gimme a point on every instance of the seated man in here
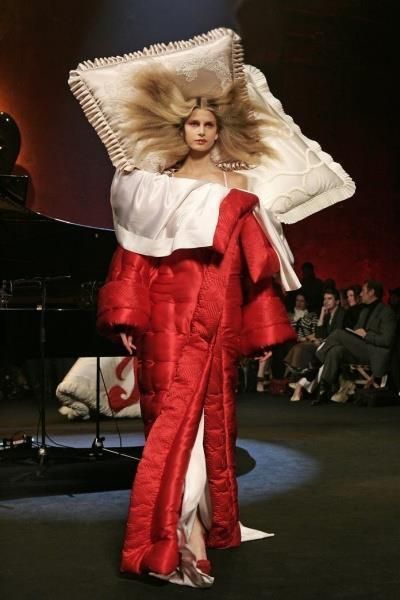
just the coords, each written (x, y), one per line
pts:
(369, 343)
(331, 316)
(302, 355)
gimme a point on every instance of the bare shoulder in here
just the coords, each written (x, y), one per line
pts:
(237, 180)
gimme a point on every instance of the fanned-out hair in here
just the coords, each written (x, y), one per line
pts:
(155, 113)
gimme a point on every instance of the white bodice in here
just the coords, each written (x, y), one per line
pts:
(155, 214)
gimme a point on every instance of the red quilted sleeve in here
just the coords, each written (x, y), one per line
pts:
(264, 317)
(123, 303)
(261, 258)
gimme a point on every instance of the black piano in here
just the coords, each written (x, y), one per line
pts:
(50, 273)
(71, 261)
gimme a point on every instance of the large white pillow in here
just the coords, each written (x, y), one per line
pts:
(301, 181)
(206, 64)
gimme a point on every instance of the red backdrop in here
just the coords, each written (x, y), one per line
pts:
(331, 67)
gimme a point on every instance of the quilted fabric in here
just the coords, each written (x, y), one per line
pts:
(304, 179)
(188, 352)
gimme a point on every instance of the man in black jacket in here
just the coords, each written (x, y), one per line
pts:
(369, 343)
(331, 316)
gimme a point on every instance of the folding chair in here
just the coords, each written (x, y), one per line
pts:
(365, 378)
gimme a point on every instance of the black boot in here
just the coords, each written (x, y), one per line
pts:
(311, 371)
(323, 395)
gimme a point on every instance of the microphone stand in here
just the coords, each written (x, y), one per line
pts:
(43, 451)
(98, 442)
(43, 448)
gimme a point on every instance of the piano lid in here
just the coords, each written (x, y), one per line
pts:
(13, 195)
(49, 194)
(37, 244)
(33, 244)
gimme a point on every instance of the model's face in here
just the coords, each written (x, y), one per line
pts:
(351, 298)
(200, 130)
(300, 302)
(330, 302)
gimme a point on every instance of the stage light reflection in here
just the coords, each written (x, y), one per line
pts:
(277, 470)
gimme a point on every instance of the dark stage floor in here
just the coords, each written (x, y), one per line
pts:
(324, 479)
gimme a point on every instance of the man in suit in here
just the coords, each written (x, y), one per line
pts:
(370, 342)
(331, 316)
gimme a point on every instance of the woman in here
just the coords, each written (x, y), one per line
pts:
(190, 289)
(303, 321)
(301, 354)
(291, 356)
(354, 306)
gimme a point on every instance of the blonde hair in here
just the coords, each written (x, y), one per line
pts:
(155, 113)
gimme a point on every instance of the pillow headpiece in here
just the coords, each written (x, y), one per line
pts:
(296, 179)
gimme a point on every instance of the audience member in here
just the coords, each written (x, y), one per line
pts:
(303, 355)
(368, 344)
(304, 323)
(331, 316)
(302, 320)
(354, 306)
(357, 328)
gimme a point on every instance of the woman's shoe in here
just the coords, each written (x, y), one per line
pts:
(342, 395)
(297, 394)
(204, 566)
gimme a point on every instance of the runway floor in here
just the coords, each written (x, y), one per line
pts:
(324, 479)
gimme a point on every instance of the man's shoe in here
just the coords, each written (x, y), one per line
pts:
(316, 401)
(321, 398)
(311, 372)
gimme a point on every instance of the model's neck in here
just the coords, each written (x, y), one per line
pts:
(197, 163)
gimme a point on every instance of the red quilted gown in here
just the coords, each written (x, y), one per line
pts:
(192, 314)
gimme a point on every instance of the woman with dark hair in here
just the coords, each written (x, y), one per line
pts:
(303, 321)
(354, 306)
